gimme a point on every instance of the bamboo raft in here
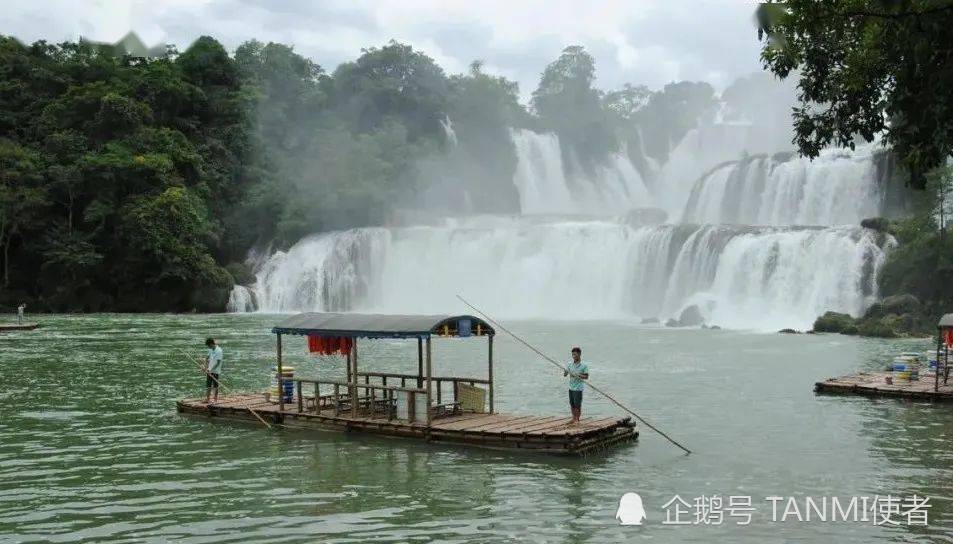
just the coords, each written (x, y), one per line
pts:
(425, 406)
(5, 327)
(540, 434)
(930, 386)
(873, 384)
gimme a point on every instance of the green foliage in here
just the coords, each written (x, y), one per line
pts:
(106, 185)
(393, 82)
(670, 113)
(835, 322)
(568, 104)
(922, 263)
(127, 181)
(867, 67)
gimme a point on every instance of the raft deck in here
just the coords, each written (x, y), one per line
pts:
(873, 384)
(18, 326)
(543, 434)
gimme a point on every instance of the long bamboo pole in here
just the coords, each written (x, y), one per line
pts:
(561, 367)
(222, 387)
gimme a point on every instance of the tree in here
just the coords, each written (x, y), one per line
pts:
(568, 104)
(22, 200)
(669, 114)
(393, 81)
(867, 68)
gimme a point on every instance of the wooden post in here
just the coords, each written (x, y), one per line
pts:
(281, 391)
(354, 385)
(429, 371)
(420, 362)
(490, 368)
(300, 400)
(939, 342)
(348, 367)
(337, 399)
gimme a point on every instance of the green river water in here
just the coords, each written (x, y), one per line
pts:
(92, 449)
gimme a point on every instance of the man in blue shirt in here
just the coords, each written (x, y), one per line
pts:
(213, 368)
(577, 372)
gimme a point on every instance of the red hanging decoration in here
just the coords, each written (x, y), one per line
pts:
(328, 345)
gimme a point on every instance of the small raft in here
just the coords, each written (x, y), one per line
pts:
(423, 406)
(18, 326)
(874, 384)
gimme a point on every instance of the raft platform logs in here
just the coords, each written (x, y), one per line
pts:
(874, 384)
(4, 327)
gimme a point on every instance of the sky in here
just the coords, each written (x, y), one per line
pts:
(648, 42)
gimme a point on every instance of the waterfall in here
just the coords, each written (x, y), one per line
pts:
(546, 185)
(746, 277)
(838, 187)
(448, 131)
(760, 241)
(241, 299)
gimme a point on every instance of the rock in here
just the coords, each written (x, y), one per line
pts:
(783, 156)
(650, 321)
(671, 323)
(895, 304)
(691, 317)
(641, 217)
(835, 322)
(901, 304)
(879, 224)
(789, 331)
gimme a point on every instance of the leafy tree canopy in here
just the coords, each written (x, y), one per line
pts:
(867, 68)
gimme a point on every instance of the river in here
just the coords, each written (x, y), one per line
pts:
(92, 449)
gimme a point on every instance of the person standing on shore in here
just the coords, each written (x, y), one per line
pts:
(577, 372)
(20, 309)
(213, 369)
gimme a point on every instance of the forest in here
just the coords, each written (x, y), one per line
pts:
(141, 183)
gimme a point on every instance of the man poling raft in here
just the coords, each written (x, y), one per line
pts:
(215, 378)
(583, 376)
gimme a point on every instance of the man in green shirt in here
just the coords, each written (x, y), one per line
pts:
(577, 372)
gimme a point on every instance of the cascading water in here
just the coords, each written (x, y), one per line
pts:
(545, 185)
(838, 187)
(738, 276)
(545, 263)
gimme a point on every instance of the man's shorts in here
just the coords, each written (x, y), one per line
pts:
(575, 398)
(211, 380)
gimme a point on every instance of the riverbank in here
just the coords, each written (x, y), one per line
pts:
(899, 316)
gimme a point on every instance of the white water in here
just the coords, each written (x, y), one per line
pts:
(838, 187)
(740, 277)
(546, 185)
(241, 299)
(545, 263)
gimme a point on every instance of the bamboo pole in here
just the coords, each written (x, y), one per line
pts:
(420, 362)
(429, 374)
(354, 397)
(561, 367)
(281, 387)
(222, 387)
(489, 369)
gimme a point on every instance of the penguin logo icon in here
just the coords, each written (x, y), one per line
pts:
(631, 511)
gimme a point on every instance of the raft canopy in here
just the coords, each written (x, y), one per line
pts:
(946, 322)
(383, 326)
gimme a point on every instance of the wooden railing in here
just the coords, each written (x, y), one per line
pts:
(377, 400)
(438, 381)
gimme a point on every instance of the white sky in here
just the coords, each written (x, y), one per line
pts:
(650, 42)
